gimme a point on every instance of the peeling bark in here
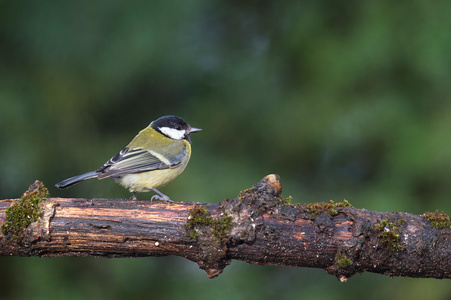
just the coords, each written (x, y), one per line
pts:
(258, 227)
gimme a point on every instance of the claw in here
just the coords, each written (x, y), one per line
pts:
(133, 198)
(166, 198)
(160, 196)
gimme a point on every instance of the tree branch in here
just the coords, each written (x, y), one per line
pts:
(259, 227)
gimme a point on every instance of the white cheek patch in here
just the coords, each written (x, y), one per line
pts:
(173, 133)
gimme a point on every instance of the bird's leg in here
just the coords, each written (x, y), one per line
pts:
(133, 197)
(160, 196)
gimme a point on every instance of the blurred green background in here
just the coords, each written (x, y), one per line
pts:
(342, 99)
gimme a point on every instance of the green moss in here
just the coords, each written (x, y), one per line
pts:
(342, 260)
(20, 214)
(388, 233)
(344, 203)
(246, 194)
(437, 220)
(221, 227)
(200, 217)
(320, 207)
(286, 201)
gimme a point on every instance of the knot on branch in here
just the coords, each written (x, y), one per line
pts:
(248, 207)
(234, 222)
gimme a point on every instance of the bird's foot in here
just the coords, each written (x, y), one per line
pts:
(160, 196)
(157, 197)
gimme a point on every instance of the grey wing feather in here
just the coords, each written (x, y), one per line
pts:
(136, 160)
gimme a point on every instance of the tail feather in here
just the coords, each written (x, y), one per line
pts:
(76, 179)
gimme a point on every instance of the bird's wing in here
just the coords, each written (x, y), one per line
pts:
(138, 160)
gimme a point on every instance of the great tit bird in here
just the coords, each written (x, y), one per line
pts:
(154, 158)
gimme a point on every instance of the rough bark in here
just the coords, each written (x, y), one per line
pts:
(259, 227)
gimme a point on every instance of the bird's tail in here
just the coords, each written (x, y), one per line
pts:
(76, 179)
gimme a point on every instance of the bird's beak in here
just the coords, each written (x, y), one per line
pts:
(194, 129)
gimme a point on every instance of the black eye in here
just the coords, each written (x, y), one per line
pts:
(178, 127)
